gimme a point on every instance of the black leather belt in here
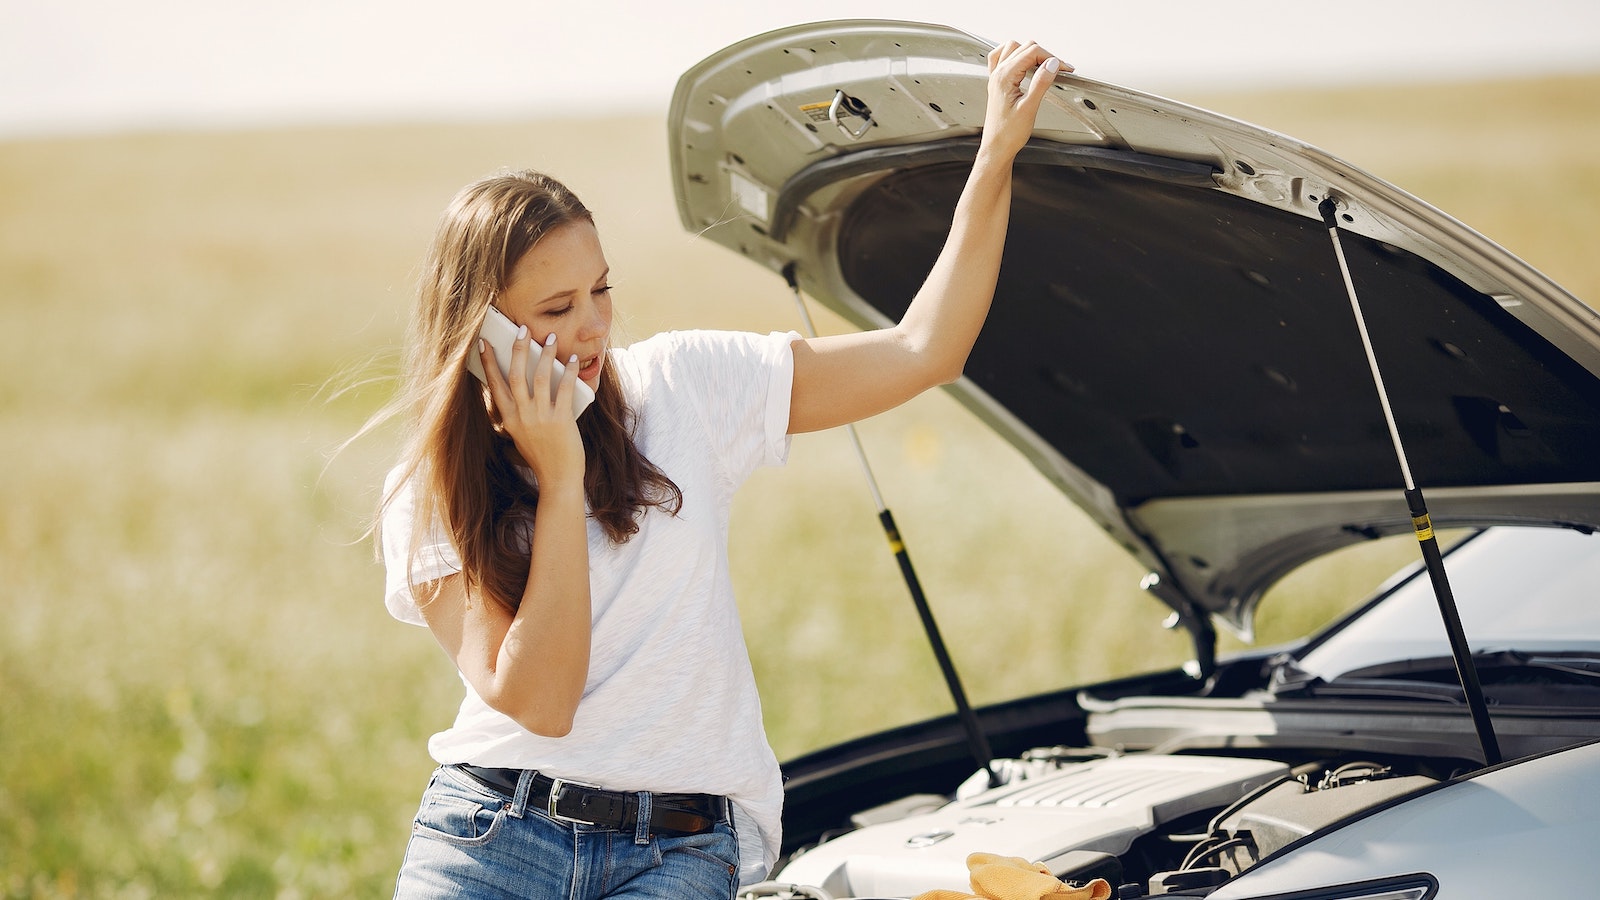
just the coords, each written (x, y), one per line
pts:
(567, 801)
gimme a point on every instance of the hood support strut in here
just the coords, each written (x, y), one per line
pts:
(1420, 522)
(977, 742)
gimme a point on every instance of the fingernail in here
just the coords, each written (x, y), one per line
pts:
(1052, 65)
(572, 360)
(481, 345)
(551, 340)
(522, 332)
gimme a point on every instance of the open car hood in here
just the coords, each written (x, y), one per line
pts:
(1171, 341)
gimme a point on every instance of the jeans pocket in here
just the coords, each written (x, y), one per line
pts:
(459, 819)
(719, 846)
(694, 867)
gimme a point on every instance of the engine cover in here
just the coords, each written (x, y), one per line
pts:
(1101, 805)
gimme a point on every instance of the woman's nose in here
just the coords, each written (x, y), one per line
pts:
(595, 323)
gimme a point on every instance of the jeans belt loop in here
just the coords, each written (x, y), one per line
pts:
(519, 803)
(641, 829)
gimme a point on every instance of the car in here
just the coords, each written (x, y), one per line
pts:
(1237, 354)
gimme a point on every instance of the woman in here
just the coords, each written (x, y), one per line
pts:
(610, 742)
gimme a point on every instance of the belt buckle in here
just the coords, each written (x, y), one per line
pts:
(558, 786)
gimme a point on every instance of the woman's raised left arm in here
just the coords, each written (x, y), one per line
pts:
(844, 378)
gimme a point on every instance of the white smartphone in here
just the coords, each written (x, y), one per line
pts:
(501, 332)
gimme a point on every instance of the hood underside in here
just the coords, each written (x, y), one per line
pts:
(1171, 340)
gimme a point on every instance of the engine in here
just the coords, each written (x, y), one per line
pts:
(1153, 822)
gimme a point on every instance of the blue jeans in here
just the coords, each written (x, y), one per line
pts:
(471, 841)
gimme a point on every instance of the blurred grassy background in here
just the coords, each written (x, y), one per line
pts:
(200, 692)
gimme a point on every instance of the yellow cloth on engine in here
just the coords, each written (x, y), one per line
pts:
(1014, 878)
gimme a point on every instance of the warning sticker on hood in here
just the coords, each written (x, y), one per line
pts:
(816, 112)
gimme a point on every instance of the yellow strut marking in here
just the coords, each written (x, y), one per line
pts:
(1423, 526)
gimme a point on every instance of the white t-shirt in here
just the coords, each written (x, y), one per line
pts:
(670, 704)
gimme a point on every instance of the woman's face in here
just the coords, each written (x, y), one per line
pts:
(559, 287)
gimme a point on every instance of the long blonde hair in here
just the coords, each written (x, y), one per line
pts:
(463, 465)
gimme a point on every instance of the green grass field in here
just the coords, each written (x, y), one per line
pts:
(200, 691)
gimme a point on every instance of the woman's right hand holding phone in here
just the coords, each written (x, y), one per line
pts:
(544, 430)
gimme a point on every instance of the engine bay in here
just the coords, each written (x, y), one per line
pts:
(1149, 823)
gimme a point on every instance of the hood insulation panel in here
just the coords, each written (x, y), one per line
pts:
(1175, 341)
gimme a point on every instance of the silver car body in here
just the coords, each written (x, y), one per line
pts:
(1172, 345)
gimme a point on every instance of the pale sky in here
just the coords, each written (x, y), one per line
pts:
(98, 65)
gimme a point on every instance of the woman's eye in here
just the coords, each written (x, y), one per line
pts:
(560, 312)
(603, 289)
